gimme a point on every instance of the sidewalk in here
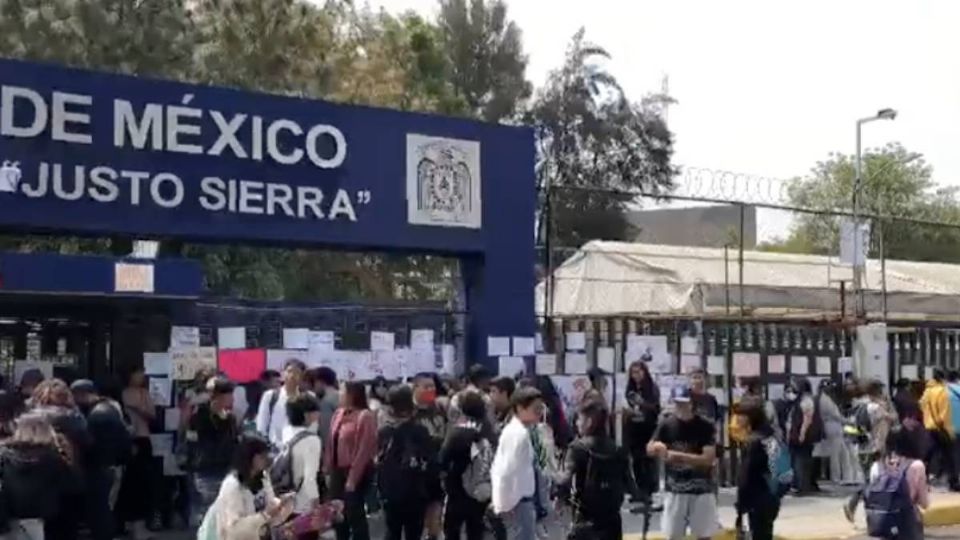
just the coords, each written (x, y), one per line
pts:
(813, 518)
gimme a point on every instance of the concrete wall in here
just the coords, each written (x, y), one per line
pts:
(706, 226)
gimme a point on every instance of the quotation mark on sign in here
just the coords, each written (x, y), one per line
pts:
(363, 197)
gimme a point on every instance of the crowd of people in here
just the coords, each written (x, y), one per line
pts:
(444, 457)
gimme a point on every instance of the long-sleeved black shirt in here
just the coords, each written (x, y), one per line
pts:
(575, 474)
(212, 440)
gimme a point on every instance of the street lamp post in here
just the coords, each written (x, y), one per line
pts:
(882, 114)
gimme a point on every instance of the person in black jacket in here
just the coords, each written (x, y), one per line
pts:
(36, 478)
(641, 414)
(463, 510)
(753, 490)
(111, 447)
(212, 438)
(407, 459)
(596, 476)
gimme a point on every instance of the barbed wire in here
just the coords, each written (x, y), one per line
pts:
(702, 182)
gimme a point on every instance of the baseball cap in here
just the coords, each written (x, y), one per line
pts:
(83, 386)
(680, 394)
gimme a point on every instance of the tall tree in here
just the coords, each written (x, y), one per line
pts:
(896, 182)
(593, 143)
(486, 57)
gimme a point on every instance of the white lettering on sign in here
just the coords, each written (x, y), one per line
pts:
(136, 278)
(177, 127)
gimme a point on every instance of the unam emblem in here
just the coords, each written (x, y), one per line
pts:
(444, 182)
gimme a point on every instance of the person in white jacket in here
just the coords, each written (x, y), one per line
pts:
(272, 413)
(513, 477)
(303, 415)
(234, 515)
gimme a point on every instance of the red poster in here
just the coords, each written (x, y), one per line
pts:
(242, 365)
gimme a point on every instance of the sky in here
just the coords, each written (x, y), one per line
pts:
(769, 88)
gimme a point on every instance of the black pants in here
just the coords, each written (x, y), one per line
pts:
(801, 457)
(761, 521)
(605, 526)
(354, 525)
(135, 500)
(98, 516)
(463, 513)
(942, 444)
(645, 470)
(405, 520)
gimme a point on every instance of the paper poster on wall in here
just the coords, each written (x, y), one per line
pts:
(690, 345)
(382, 341)
(928, 372)
(824, 365)
(815, 382)
(157, 363)
(606, 359)
(421, 339)
(321, 340)
(20, 367)
(576, 341)
(160, 391)
(498, 346)
(572, 388)
(648, 346)
(546, 364)
(171, 419)
(296, 338)
(690, 363)
(242, 365)
(910, 371)
(845, 364)
(161, 444)
(510, 366)
(746, 364)
(386, 364)
(620, 390)
(448, 358)
(871, 353)
(575, 363)
(232, 337)
(185, 364)
(799, 365)
(716, 365)
(184, 337)
(524, 346)
(539, 341)
(774, 391)
(667, 383)
(422, 361)
(776, 363)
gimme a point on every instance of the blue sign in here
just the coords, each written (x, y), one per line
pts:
(93, 153)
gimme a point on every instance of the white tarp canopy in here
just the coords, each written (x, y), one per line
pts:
(614, 278)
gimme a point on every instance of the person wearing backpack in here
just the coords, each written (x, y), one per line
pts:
(897, 490)
(595, 476)
(804, 430)
(465, 461)
(272, 412)
(873, 417)
(407, 463)
(765, 473)
(296, 468)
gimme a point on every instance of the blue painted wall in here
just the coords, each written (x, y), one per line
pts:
(79, 130)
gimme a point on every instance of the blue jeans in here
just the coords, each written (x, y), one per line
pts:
(205, 491)
(521, 522)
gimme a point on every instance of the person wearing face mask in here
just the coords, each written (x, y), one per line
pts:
(212, 437)
(111, 447)
(432, 416)
(301, 439)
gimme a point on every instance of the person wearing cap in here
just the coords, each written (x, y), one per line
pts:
(686, 442)
(111, 447)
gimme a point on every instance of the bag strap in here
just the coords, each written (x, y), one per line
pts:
(274, 398)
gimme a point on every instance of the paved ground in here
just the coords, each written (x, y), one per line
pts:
(819, 518)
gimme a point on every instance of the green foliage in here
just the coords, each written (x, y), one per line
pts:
(895, 183)
(592, 136)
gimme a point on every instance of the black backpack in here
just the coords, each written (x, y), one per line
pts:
(604, 483)
(404, 464)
